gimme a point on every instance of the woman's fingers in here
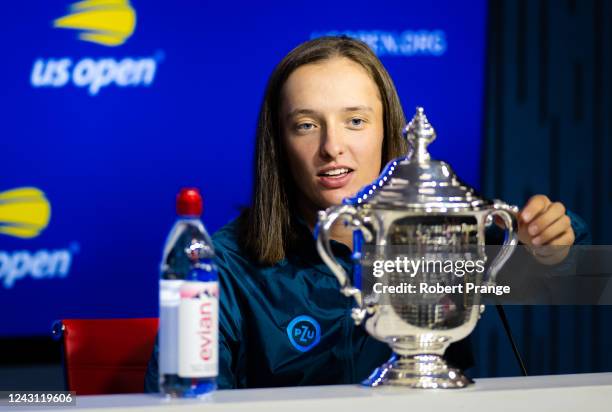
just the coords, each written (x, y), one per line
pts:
(553, 230)
(534, 207)
(542, 227)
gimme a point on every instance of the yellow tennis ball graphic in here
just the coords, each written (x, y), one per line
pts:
(106, 22)
(24, 212)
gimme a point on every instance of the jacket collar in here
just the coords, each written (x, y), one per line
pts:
(306, 248)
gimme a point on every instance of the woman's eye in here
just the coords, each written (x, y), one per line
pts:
(304, 127)
(357, 122)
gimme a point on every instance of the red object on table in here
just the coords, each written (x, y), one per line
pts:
(104, 356)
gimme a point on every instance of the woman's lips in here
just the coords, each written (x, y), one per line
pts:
(335, 182)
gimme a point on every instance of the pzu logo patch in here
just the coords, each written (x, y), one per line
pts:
(304, 333)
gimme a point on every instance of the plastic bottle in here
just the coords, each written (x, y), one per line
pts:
(189, 292)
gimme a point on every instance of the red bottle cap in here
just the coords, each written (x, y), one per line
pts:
(189, 202)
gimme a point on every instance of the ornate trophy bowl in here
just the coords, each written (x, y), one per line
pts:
(417, 209)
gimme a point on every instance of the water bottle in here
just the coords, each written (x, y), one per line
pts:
(189, 296)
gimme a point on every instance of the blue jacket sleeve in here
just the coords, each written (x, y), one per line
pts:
(581, 230)
(231, 349)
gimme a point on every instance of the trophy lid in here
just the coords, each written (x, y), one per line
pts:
(417, 182)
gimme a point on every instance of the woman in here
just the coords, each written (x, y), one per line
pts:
(330, 120)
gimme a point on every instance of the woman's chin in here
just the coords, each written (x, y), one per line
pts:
(336, 198)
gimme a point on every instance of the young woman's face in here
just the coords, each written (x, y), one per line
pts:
(332, 123)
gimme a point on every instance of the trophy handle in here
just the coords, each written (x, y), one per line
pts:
(326, 221)
(509, 215)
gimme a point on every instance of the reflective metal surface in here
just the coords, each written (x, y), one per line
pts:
(418, 209)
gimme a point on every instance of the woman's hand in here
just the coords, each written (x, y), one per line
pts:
(545, 229)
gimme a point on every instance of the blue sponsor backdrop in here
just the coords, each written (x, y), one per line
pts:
(110, 133)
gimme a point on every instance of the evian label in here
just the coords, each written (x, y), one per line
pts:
(198, 330)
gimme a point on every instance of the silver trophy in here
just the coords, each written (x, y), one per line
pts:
(418, 209)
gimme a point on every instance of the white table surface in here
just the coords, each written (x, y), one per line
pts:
(581, 392)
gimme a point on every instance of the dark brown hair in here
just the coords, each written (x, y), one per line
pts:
(267, 225)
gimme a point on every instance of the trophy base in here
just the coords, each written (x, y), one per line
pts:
(418, 371)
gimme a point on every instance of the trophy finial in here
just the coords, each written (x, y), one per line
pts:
(419, 134)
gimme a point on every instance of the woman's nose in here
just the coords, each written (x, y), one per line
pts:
(332, 142)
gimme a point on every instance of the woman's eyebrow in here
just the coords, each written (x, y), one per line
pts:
(295, 112)
(357, 109)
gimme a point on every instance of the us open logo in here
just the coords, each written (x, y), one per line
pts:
(25, 212)
(304, 333)
(108, 23)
